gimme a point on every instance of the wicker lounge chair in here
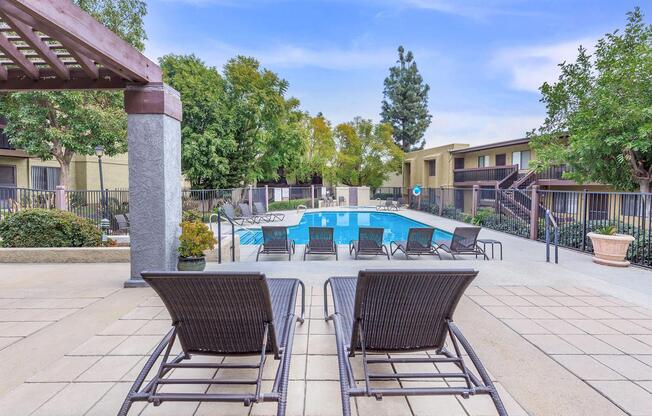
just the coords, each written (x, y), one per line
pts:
(245, 210)
(369, 242)
(276, 241)
(464, 241)
(220, 314)
(260, 210)
(320, 242)
(403, 311)
(229, 211)
(419, 242)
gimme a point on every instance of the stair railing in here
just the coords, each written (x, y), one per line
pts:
(219, 234)
(550, 221)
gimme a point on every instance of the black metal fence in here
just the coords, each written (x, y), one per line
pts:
(15, 199)
(96, 205)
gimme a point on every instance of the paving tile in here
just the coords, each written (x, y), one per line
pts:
(388, 406)
(295, 400)
(645, 323)
(647, 385)
(645, 338)
(626, 326)
(216, 408)
(526, 326)
(474, 290)
(7, 341)
(154, 327)
(628, 395)
(110, 368)
(322, 344)
(539, 300)
(552, 344)
(435, 405)
(98, 345)
(513, 300)
(178, 408)
(626, 365)
(323, 399)
(593, 312)
(20, 329)
(28, 397)
(486, 300)
(64, 370)
(143, 313)
(592, 327)
(74, 400)
(587, 367)
(300, 344)
(297, 368)
(511, 405)
(153, 301)
(503, 312)
(625, 312)
(597, 301)
(112, 401)
(569, 301)
(564, 312)
(496, 290)
(576, 291)
(557, 326)
(35, 315)
(322, 367)
(137, 345)
(521, 290)
(546, 291)
(626, 344)
(533, 312)
(589, 344)
(318, 326)
(647, 359)
(124, 327)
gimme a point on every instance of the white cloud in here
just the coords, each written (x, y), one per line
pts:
(530, 66)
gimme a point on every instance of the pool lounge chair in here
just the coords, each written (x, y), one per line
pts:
(463, 242)
(369, 242)
(220, 314)
(246, 213)
(276, 241)
(419, 243)
(404, 311)
(229, 211)
(320, 241)
(389, 205)
(123, 223)
(260, 210)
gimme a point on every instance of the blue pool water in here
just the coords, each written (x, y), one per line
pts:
(346, 226)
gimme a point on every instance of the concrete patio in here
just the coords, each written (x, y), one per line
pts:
(567, 339)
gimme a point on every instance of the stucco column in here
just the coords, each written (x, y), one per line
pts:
(60, 201)
(534, 212)
(154, 138)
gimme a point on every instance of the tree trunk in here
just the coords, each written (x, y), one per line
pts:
(64, 178)
(644, 188)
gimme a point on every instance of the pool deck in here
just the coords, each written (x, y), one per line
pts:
(573, 338)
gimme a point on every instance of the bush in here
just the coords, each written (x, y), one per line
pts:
(48, 228)
(482, 217)
(287, 205)
(195, 238)
(191, 216)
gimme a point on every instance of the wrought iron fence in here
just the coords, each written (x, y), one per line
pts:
(96, 205)
(14, 199)
(385, 193)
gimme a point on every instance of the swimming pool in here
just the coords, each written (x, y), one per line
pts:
(346, 224)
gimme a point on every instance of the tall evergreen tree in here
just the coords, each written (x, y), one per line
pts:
(405, 102)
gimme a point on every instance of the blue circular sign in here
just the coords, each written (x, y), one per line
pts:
(416, 191)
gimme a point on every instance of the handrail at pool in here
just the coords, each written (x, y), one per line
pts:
(219, 234)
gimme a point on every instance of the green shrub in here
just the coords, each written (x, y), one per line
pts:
(288, 205)
(191, 216)
(48, 228)
(482, 217)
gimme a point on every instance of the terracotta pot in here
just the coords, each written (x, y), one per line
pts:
(610, 250)
(191, 264)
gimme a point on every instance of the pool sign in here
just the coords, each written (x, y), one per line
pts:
(416, 191)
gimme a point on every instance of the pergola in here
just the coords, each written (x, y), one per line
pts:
(54, 45)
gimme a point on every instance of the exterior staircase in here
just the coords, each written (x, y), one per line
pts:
(513, 195)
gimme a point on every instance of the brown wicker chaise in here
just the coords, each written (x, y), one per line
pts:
(464, 241)
(276, 241)
(320, 241)
(369, 242)
(403, 311)
(419, 242)
(220, 314)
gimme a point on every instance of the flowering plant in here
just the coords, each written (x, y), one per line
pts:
(194, 239)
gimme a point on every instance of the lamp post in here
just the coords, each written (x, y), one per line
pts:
(99, 152)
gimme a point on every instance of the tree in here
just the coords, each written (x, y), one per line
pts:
(366, 153)
(599, 112)
(322, 151)
(405, 103)
(58, 125)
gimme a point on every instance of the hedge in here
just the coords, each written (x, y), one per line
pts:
(48, 228)
(288, 205)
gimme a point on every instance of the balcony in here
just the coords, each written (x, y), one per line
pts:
(553, 175)
(482, 176)
(6, 149)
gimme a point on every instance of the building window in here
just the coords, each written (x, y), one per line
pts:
(522, 159)
(45, 178)
(630, 205)
(483, 161)
(432, 167)
(459, 163)
(7, 176)
(501, 159)
(564, 202)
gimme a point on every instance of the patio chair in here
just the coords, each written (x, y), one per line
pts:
(388, 205)
(229, 211)
(320, 242)
(245, 210)
(369, 242)
(464, 241)
(260, 210)
(404, 311)
(123, 223)
(419, 242)
(276, 241)
(220, 314)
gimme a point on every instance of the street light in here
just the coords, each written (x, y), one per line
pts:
(99, 152)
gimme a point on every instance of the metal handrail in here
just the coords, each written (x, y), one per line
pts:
(550, 219)
(219, 234)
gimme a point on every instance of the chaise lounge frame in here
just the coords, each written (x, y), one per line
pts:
(419, 243)
(463, 242)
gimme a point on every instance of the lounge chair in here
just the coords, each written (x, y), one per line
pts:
(245, 210)
(229, 211)
(387, 206)
(403, 311)
(464, 241)
(220, 314)
(276, 241)
(369, 242)
(123, 222)
(260, 210)
(320, 242)
(419, 242)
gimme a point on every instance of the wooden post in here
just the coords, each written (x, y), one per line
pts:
(312, 195)
(476, 200)
(60, 201)
(534, 212)
(266, 197)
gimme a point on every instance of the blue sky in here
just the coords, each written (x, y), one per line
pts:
(484, 59)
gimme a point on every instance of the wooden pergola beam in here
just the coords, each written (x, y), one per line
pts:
(92, 71)
(16, 81)
(17, 57)
(3, 73)
(41, 48)
(79, 32)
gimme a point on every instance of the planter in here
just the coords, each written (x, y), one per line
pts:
(610, 250)
(191, 264)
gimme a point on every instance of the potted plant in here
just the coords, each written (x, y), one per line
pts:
(195, 238)
(610, 248)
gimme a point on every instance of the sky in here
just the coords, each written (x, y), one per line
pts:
(483, 59)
